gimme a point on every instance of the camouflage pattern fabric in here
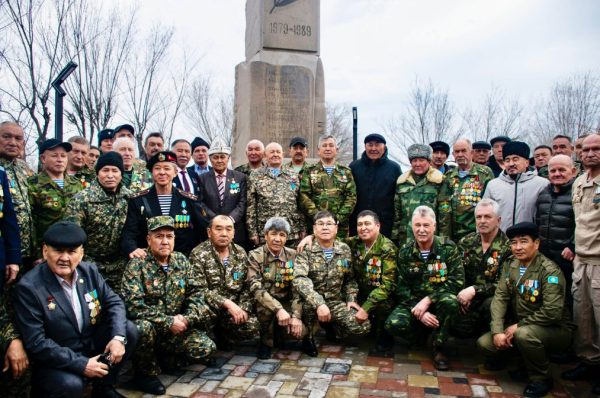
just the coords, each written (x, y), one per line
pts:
(10, 387)
(543, 171)
(85, 176)
(141, 178)
(245, 168)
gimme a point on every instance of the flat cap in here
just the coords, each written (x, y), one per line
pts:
(515, 148)
(106, 134)
(419, 151)
(440, 146)
(219, 146)
(199, 142)
(298, 141)
(164, 156)
(110, 159)
(481, 145)
(157, 222)
(127, 127)
(64, 234)
(500, 138)
(375, 137)
(523, 229)
(52, 143)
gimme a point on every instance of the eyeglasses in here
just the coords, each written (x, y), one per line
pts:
(322, 224)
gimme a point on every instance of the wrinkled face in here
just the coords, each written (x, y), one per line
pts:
(497, 150)
(221, 232)
(62, 261)
(438, 158)
(298, 153)
(274, 155)
(419, 166)
(78, 155)
(109, 177)
(590, 152)
(55, 160)
(541, 157)
(127, 151)
(255, 152)
(275, 240)
(367, 228)
(481, 156)
(423, 228)
(161, 242)
(183, 150)
(486, 220)
(219, 162)
(374, 149)
(328, 150)
(562, 146)
(524, 248)
(123, 133)
(462, 154)
(163, 173)
(153, 146)
(12, 141)
(106, 145)
(561, 171)
(515, 164)
(325, 229)
(200, 155)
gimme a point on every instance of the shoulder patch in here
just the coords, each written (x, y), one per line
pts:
(553, 280)
(139, 193)
(187, 194)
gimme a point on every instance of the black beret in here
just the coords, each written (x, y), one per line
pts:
(127, 127)
(440, 146)
(375, 137)
(523, 229)
(481, 145)
(110, 159)
(515, 148)
(298, 141)
(164, 156)
(105, 134)
(199, 142)
(65, 234)
(52, 143)
(500, 138)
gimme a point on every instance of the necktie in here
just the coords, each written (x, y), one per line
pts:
(221, 188)
(186, 186)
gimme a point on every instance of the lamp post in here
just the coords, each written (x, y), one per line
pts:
(58, 101)
(354, 133)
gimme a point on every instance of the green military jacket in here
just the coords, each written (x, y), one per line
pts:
(220, 282)
(245, 168)
(140, 179)
(270, 279)
(269, 196)
(319, 191)
(18, 173)
(48, 201)
(319, 281)
(102, 217)
(85, 176)
(536, 298)
(411, 194)
(442, 273)
(464, 193)
(375, 270)
(482, 270)
(8, 331)
(290, 166)
(154, 295)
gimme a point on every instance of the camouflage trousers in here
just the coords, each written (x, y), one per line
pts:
(379, 314)
(222, 325)
(12, 388)
(112, 272)
(343, 321)
(189, 347)
(403, 324)
(475, 321)
(268, 323)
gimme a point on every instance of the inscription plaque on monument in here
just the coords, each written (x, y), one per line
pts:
(291, 25)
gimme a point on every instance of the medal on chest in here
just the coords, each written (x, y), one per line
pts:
(373, 271)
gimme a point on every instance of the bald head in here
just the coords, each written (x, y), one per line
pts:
(561, 170)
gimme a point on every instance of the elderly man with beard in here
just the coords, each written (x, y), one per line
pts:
(298, 152)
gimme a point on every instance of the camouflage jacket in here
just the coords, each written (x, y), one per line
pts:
(18, 173)
(410, 194)
(220, 282)
(102, 217)
(482, 270)
(270, 279)
(319, 281)
(465, 193)
(270, 196)
(157, 296)
(319, 191)
(245, 168)
(536, 298)
(290, 166)
(375, 271)
(442, 272)
(8, 330)
(48, 202)
(141, 178)
(85, 176)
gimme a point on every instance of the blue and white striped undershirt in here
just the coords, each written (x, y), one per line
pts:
(329, 169)
(425, 254)
(165, 204)
(59, 182)
(328, 253)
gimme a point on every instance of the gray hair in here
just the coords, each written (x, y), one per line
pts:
(423, 211)
(124, 140)
(278, 224)
(325, 138)
(486, 202)
(255, 141)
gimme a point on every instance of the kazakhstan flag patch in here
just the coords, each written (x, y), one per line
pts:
(553, 279)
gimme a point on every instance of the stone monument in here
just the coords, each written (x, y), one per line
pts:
(279, 89)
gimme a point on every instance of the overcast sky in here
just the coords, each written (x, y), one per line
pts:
(373, 49)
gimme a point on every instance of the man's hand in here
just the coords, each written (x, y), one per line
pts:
(16, 359)
(178, 325)
(238, 315)
(510, 332)
(12, 271)
(465, 297)
(421, 307)
(184, 320)
(254, 239)
(94, 368)
(567, 254)
(116, 349)
(430, 320)
(501, 342)
(305, 242)
(138, 253)
(295, 328)
(323, 313)
(360, 315)
(283, 318)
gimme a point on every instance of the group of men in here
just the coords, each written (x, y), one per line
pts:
(149, 258)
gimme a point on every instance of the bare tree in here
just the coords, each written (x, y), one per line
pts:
(339, 125)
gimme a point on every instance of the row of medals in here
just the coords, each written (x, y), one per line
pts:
(529, 290)
(284, 275)
(470, 193)
(373, 271)
(438, 271)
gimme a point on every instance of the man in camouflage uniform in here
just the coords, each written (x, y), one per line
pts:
(484, 253)
(136, 177)
(298, 152)
(273, 191)
(164, 299)
(375, 270)
(15, 381)
(101, 210)
(12, 141)
(324, 279)
(430, 274)
(221, 266)
(270, 276)
(77, 164)
(421, 184)
(327, 185)
(47, 198)
(466, 184)
(255, 152)
(530, 320)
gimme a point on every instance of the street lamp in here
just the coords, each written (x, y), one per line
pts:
(58, 101)
(354, 133)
